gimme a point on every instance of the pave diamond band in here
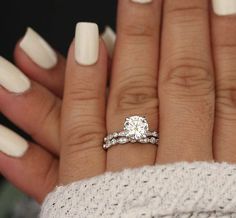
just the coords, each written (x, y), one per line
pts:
(136, 130)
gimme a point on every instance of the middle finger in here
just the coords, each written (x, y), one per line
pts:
(186, 89)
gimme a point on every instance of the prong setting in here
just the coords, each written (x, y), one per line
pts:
(136, 130)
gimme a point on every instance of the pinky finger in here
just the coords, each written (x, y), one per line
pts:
(34, 171)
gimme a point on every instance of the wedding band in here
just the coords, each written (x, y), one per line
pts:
(136, 130)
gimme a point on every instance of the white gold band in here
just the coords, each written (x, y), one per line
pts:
(124, 140)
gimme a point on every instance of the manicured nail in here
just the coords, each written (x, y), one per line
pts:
(224, 7)
(11, 78)
(87, 43)
(11, 143)
(38, 50)
(142, 1)
(109, 38)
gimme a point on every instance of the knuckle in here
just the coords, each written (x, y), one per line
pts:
(83, 136)
(50, 113)
(50, 176)
(47, 178)
(84, 91)
(184, 81)
(138, 29)
(187, 15)
(137, 91)
(226, 100)
(225, 48)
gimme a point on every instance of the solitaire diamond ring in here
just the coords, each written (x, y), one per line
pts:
(136, 130)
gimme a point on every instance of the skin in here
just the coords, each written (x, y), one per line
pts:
(184, 85)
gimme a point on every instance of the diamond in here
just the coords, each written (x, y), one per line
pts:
(115, 135)
(153, 140)
(113, 141)
(122, 134)
(109, 144)
(122, 140)
(144, 141)
(109, 137)
(155, 134)
(136, 127)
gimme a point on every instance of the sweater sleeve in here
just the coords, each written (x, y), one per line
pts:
(180, 190)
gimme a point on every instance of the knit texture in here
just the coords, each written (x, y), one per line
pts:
(183, 190)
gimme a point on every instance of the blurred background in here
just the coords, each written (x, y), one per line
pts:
(55, 20)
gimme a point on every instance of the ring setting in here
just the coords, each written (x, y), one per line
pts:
(136, 130)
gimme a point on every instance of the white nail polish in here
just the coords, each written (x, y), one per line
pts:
(11, 78)
(11, 143)
(109, 38)
(38, 50)
(87, 43)
(224, 7)
(142, 1)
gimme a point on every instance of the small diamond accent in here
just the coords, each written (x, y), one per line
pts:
(155, 134)
(122, 133)
(136, 127)
(109, 144)
(144, 141)
(153, 140)
(109, 137)
(113, 141)
(122, 140)
(115, 135)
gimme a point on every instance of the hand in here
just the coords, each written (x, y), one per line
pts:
(37, 112)
(175, 91)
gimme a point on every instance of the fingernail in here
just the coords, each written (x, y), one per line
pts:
(224, 7)
(11, 78)
(142, 1)
(87, 43)
(38, 50)
(109, 38)
(11, 143)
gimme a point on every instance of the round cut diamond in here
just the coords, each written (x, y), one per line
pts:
(115, 134)
(153, 140)
(113, 141)
(136, 127)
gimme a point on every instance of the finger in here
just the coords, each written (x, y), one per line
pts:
(36, 111)
(40, 62)
(83, 113)
(134, 80)
(224, 46)
(186, 84)
(34, 172)
(109, 37)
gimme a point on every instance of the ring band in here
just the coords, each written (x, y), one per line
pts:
(136, 130)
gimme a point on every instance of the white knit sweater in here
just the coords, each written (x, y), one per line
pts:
(177, 190)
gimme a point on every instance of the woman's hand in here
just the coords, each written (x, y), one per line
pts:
(171, 83)
(37, 112)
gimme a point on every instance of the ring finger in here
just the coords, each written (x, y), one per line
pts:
(134, 79)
